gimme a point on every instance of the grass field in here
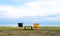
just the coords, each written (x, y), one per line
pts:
(43, 31)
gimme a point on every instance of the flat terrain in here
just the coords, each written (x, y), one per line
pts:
(43, 31)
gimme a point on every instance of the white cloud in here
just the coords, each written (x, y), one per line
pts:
(40, 8)
(12, 12)
(44, 8)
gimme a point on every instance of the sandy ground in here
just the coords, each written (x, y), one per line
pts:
(29, 33)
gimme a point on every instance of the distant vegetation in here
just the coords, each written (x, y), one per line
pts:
(43, 31)
(47, 28)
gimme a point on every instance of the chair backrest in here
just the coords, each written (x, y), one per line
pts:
(36, 25)
(20, 24)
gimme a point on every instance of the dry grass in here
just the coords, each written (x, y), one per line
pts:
(43, 31)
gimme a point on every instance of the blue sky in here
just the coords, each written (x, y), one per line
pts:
(44, 12)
